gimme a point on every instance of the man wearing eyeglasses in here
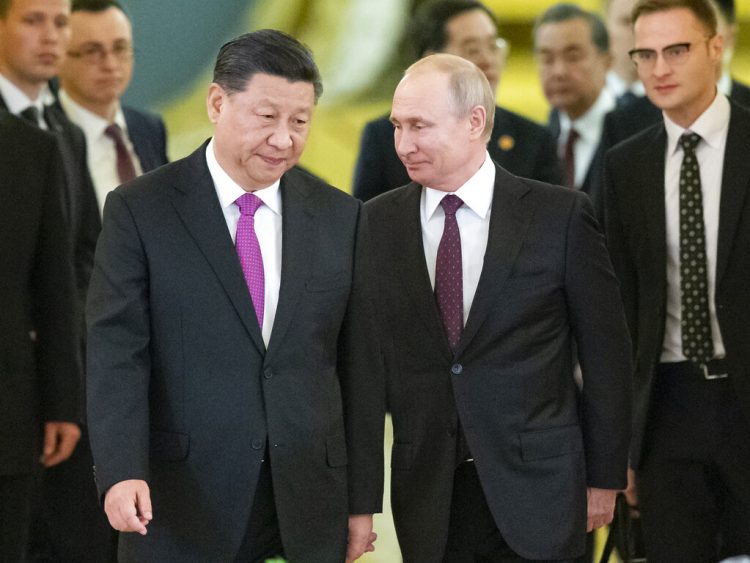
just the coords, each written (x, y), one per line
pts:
(465, 28)
(122, 142)
(678, 229)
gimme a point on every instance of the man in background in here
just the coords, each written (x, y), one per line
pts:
(572, 51)
(40, 371)
(465, 28)
(121, 141)
(678, 230)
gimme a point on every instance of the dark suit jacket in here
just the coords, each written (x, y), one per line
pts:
(636, 235)
(181, 389)
(149, 137)
(517, 144)
(537, 442)
(39, 374)
(79, 198)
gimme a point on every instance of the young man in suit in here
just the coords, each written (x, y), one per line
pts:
(477, 284)
(468, 29)
(40, 369)
(215, 312)
(122, 142)
(572, 51)
(678, 228)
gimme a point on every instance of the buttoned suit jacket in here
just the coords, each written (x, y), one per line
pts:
(39, 361)
(636, 236)
(182, 391)
(519, 145)
(149, 137)
(537, 443)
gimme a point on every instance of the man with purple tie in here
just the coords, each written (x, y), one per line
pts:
(215, 312)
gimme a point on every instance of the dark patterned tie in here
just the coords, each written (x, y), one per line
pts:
(125, 167)
(697, 344)
(449, 288)
(570, 159)
(31, 114)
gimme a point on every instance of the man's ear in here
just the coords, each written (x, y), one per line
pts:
(477, 121)
(215, 101)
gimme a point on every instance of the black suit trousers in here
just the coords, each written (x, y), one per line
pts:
(694, 484)
(16, 492)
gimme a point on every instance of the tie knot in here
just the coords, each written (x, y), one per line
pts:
(248, 204)
(113, 131)
(573, 136)
(688, 141)
(31, 114)
(451, 203)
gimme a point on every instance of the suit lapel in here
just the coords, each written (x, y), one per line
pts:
(509, 219)
(297, 249)
(407, 252)
(649, 195)
(195, 201)
(734, 186)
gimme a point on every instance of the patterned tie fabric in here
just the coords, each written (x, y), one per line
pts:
(697, 345)
(31, 114)
(125, 168)
(248, 250)
(449, 289)
(570, 159)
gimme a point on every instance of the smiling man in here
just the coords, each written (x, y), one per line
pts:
(121, 142)
(215, 311)
(678, 204)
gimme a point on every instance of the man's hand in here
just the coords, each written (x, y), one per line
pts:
(601, 507)
(128, 506)
(631, 494)
(361, 536)
(60, 439)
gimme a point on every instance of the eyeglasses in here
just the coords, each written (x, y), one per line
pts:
(495, 48)
(673, 55)
(94, 53)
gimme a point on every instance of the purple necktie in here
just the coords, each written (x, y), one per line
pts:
(248, 250)
(125, 168)
(449, 287)
(569, 159)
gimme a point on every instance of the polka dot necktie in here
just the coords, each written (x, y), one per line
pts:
(697, 345)
(248, 250)
(449, 288)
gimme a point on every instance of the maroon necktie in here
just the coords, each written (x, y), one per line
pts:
(449, 288)
(125, 168)
(570, 159)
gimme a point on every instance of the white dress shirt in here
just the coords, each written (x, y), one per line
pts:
(17, 100)
(473, 219)
(101, 154)
(589, 127)
(712, 126)
(267, 229)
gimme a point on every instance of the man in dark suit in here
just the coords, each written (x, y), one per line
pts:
(572, 52)
(479, 282)
(468, 29)
(678, 228)
(39, 359)
(122, 142)
(640, 113)
(214, 313)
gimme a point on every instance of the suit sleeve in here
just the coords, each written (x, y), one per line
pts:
(118, 359)
(369, 177)
(598, 323)
(56, 308)
(363, 387)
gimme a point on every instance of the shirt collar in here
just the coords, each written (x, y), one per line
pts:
(228, 190)
(17, 100)
(725, 84)
(590, 124)
(711, 125)
(93, 125)
(476, 192)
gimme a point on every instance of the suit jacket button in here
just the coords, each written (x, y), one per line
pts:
(257, 444)
(268, 373)
(456, 369)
